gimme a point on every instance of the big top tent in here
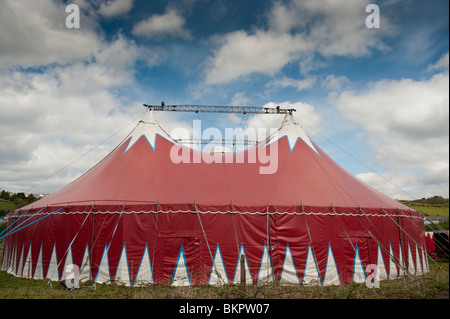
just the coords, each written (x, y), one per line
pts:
(139, 217)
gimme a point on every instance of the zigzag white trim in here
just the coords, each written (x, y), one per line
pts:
(27, 267)
(52, 270)
(359, 274)
(85, 267)
(289, 273)
(181, 272)
(218, 275)
(381, 267)
(411, 268)
(311, 274)
(237, 272)
(424, 260)
(39, 270)
(331, 276)
(419, 268)
(122, 272)
(68, 262)
(145, 272)
(265, 273)
(20, 267)
(393, 273)
(401, 271)
(240, 213)
(103, 274)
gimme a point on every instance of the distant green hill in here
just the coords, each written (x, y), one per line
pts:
(433, 206)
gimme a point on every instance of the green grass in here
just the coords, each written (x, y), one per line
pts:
(428, 208)
(433, 285)
(431, 210)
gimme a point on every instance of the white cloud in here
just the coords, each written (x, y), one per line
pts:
(407, 124)
(305, 113)
(397, 186)
(60, 93)
(114, 8)
(441, 64)
(296, 31)
(34, 34)
(335, 83)
(240, 99)
(169, 24)
(298, 84)
(241, 54)
(404, 185)
(48, 120)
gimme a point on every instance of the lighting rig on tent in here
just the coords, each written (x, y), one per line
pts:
(219, 109)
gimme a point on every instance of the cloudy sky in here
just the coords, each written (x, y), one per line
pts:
(375, 99)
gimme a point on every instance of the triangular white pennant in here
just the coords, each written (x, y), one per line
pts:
(424, 260)
(418, 263)
(331, 276)
(103, 274)
(218, 275)
(181, 272)
(311, 275)
(7, 252)
(145, 273)
(27, 273)
(147, 128)
(402, 267)
(381, 267)
(289, 273)
(13, 259)
(265, 273)
(293, 132)
(10, 257)
(68, 265)
(122, 272)
(411, 268)
(52, 271)
(237, 273)
(359, 274)
(20, 267)
(393, 273)
(4, 257)
(85, 267)
(39, 271)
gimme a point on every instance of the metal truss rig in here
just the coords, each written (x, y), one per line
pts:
(220, 109)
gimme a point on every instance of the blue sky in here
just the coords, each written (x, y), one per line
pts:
(376, 100)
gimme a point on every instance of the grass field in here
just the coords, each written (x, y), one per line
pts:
(433, 285)
(429, 210)
(6, 205)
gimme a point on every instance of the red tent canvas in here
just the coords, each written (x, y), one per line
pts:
(139, 217)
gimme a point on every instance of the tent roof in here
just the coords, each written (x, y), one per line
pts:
(140, 171)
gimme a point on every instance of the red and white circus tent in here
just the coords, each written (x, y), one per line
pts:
(139, 217)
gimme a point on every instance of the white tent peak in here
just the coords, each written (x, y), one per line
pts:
(148, 127)
(293, 131)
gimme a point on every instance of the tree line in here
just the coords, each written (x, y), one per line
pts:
(18, 199)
